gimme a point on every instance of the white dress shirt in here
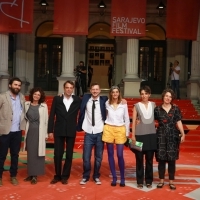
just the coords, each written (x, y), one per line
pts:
(87, 122)
(118, 116)
(174, 75)
(67, 102)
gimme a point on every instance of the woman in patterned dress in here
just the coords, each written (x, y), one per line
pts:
(170, 133)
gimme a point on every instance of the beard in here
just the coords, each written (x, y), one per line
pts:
(14, 90)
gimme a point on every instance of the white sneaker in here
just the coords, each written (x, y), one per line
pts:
(97, 181)
(83, 181)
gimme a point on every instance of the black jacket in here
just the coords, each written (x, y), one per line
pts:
(65, 121)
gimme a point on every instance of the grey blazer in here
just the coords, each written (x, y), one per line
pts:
(6, 112)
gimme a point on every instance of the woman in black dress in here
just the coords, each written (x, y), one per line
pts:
(170, 133)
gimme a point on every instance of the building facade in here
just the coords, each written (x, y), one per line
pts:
(47, 60)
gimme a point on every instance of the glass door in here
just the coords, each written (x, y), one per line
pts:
(152, 64)
(48, 63)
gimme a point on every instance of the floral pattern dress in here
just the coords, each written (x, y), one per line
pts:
(168, 138)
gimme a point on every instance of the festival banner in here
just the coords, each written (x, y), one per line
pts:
(71, 17)
(182, 19)
(16, 16)
(128, 18)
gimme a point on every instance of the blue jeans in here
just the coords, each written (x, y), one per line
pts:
(175, 88)
(90, 141)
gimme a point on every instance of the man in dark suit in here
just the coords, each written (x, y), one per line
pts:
(65, 108)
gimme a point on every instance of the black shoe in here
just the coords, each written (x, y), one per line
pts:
(160, 185)
(122, 184)
(29, 178)
(34, 180)
(54, 181)
(64, 181)
(113, 184)
(172, 186)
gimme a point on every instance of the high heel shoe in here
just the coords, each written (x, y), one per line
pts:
(114, 182)
(122, 183)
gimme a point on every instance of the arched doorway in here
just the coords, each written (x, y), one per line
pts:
(100, 53)
(152, 58)
(48, 57)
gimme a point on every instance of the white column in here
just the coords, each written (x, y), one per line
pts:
(4, 54)
(193, 85)
(67, 62)
(195, 64)
(21, 59)
(68, 57)
(4, 75)
(132, 59)
(131, 80)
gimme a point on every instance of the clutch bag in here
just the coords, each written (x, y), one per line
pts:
(137, 146)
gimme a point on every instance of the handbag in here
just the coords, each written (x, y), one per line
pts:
(137, 146)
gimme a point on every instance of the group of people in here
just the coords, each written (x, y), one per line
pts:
(163, 140)
(103, 119)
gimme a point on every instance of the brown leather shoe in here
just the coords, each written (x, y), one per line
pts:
(14, 180)
(54, 181)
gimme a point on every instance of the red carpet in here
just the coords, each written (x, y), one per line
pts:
(187, 174)
(187, 182)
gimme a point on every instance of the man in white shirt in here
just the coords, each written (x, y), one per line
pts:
(62, 127)
(93, 128)
(175, 78)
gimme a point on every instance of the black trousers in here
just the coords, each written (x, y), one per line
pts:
(11, 141)
(140, 166)
(59, 145)
(83, 84)
(89, 80)
(162, 168)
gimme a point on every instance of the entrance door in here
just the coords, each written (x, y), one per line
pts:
(48, 62)
(152, 64)
(100, 56)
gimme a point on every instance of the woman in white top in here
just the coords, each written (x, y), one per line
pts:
(116, 131)
(144, 131)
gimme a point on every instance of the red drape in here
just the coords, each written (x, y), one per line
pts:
(16, 16)
(71, 17)
(128, 18)
(182, 19)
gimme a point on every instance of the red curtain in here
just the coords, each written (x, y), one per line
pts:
(128, 18)
(16, 16)
(182, 19)
(71, 17)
